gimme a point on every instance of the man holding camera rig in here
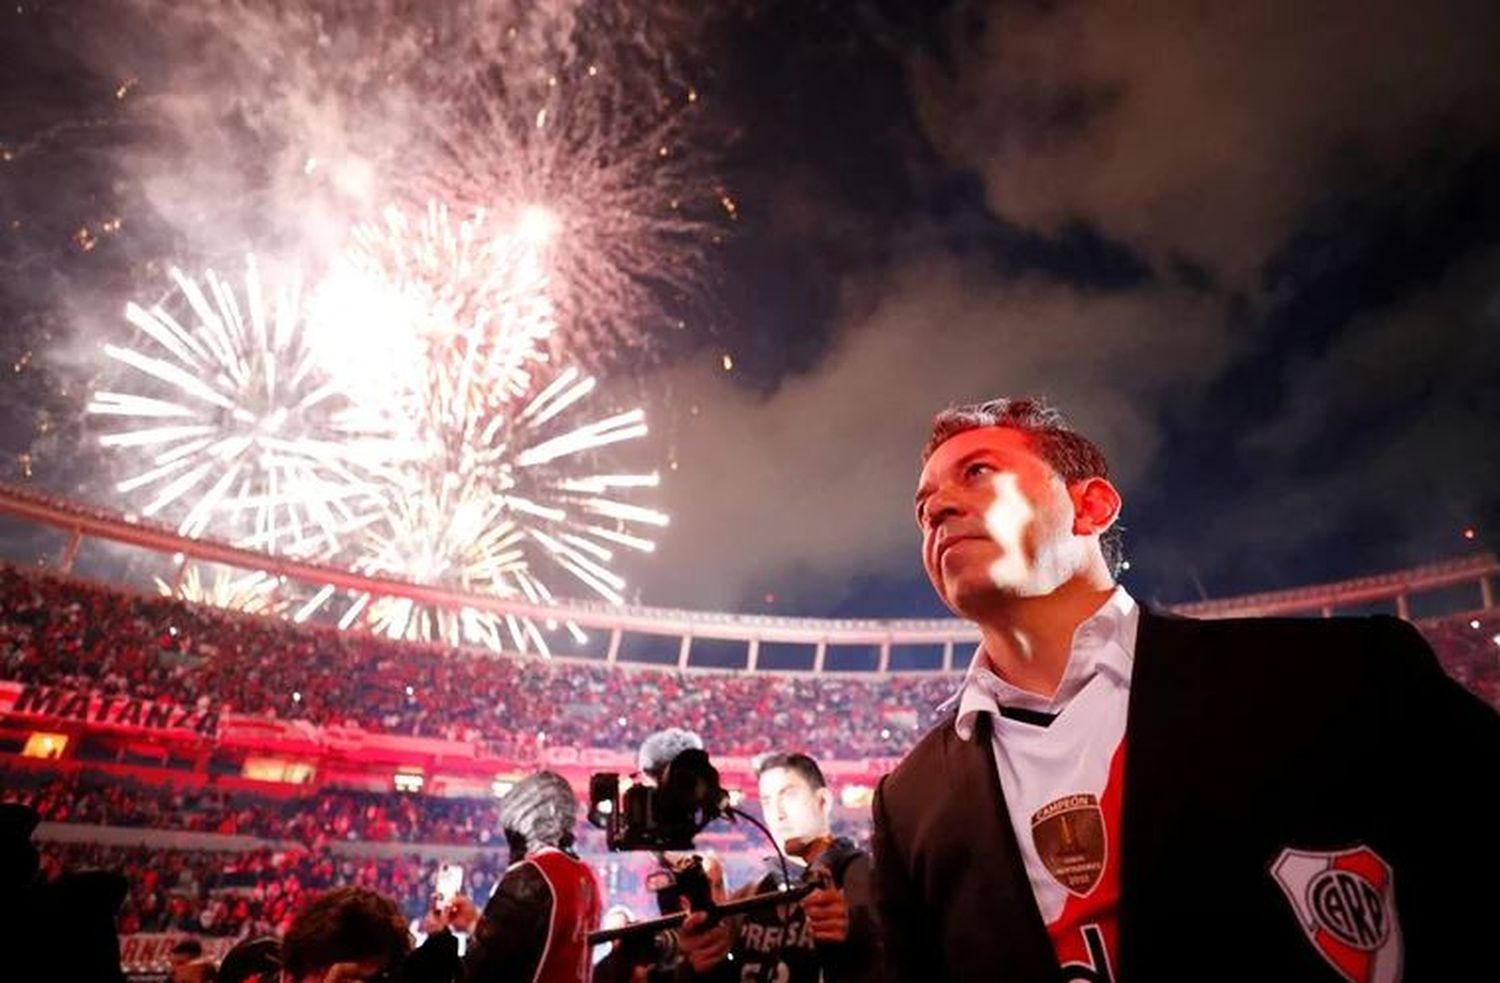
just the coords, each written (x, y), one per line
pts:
(830, 935)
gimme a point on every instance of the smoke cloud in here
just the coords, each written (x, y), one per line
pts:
(812, 485)
(1204, 131)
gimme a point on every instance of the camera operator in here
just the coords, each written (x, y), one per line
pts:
(661, 748)
(536, 925)
(656, 753)
(830, 935)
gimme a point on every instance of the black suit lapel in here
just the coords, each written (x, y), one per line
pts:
(1154, 746)
(1016, 946)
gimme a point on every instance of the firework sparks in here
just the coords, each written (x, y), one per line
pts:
(419, 419)
(414, 426)
(252, 592)
(607, 150)
(517, 508)
(230, 424)
(437, 316)
(441, 329)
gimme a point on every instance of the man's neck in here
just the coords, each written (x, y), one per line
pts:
(809, 850)
(1028, 640)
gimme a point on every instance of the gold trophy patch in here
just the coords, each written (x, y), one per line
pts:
(1069, 837)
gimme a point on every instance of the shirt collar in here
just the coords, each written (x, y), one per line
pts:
(1103, 643)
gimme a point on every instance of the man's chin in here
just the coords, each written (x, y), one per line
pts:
(975, 600)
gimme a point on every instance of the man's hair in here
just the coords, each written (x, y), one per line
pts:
(1069, 453)
(542, 810)
(658, 749)
(189, 947)
(347, 924)
(797, 762)
(252, 959)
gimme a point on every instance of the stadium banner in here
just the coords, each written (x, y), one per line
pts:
(59, 704)
(144, 954)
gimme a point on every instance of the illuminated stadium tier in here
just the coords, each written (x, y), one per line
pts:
(741, 643)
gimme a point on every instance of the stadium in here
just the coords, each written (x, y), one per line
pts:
(767, 491)
(227, 762)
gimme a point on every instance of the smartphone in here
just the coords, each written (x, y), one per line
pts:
(450, 881)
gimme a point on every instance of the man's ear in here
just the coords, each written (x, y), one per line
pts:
(1096, 505)
(825, 800)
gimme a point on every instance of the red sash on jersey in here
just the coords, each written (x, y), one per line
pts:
(576, 909)
(1085, 934)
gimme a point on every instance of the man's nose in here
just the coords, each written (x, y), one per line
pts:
(944, 504)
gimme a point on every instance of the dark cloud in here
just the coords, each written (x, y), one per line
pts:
(806, 488)
(1204, 130)
(1378, 452)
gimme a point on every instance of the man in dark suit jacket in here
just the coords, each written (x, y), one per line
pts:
(1123, 795)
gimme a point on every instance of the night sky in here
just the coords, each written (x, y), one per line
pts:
(1253, 248)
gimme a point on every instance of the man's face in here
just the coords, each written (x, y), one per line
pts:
(793, 809)
(996, 521)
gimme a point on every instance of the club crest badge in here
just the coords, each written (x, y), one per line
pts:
(1069, 838)
(1345, 902)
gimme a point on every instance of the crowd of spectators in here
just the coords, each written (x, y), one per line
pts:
(229, 893)
(1469, 649)
(61, 632)
(330, 814)
(255, 892)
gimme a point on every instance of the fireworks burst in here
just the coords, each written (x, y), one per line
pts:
(495, 492)
(428, 316)
(231, 426)
(606, 146)
(419, 418)
(490, 483)
(252, 592)
(519, 505)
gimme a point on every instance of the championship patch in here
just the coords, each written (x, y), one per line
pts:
(1345, 901)
(1069, 838)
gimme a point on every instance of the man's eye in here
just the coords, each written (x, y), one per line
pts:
(976, 469)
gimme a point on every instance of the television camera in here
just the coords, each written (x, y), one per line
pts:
(665, 818)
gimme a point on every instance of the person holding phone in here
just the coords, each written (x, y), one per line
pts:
(536, 925)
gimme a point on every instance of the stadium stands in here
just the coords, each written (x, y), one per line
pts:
(64, 633)
(330, 814)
